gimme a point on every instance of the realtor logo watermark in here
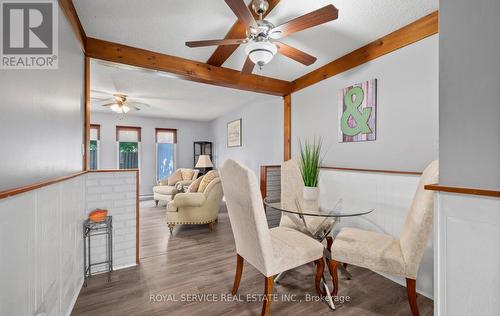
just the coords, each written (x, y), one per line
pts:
(29, 35)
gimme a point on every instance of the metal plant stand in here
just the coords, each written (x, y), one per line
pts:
(92, 229)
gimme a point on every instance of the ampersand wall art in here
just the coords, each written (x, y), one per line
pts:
(357, 112)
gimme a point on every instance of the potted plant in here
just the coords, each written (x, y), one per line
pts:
(310, 160)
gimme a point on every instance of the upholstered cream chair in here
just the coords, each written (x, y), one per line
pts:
(292, 188)
(200, 207)
(271, 251)
(386, 254)
(165, 192)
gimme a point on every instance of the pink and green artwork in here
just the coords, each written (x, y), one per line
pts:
(357, 112)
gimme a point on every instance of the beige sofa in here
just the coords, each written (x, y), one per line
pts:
(200, 207)
(165, 192)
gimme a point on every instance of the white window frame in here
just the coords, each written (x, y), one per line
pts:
(156, 151)
(98, 156)
(138, 147)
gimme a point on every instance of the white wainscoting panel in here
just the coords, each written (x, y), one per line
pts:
(390, 195)
(41, 269)
(467, 255)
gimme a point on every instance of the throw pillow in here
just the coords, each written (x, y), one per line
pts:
(193, 187)
(207, 179)
(187, 174)
(175, 177)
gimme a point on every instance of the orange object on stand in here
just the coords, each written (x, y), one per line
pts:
(98, 215)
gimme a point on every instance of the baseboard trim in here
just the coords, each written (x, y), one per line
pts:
(145, 197)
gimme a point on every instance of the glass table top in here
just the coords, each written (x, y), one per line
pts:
(336, 210)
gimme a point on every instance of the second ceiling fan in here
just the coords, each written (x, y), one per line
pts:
(262, 35)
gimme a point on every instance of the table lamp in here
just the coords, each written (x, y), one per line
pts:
(204, 163)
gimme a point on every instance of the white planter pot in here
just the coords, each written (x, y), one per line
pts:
(311, 194)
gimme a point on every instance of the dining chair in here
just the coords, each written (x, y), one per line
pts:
(385, 253)
(270, 251)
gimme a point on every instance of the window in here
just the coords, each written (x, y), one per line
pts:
(165, 152)
(95, 135)
(128, 139)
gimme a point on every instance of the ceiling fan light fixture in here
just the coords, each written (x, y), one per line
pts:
(125, 109)
(261, 52)
(116, 108)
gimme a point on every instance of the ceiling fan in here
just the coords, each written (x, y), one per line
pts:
(261, 44)
(119, 103)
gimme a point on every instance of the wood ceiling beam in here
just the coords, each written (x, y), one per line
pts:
(411, 33)
(185, 68)
(238, 30)
(70, 12)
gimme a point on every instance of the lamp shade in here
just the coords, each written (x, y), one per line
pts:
(204, 162)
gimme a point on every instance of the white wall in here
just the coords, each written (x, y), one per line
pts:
(262, 135)
(469, 93)
(187, 133)
(41, 117)
(407, 113)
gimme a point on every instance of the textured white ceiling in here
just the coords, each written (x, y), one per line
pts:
(168, 97)
(165, 25)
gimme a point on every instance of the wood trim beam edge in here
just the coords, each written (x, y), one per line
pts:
(409, 34)
(30, 187)
(416, 173)
(185, 68)
(287, 133)
(461, 190)
(70, 12)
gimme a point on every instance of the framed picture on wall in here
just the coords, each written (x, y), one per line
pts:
(357, 112)
(234, 133)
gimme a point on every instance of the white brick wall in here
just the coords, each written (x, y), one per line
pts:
(116, 192)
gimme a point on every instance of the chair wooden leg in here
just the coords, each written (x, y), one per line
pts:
(237, 277)
(268, 292)
(411, 290)
(332, 266)
(320, 268)
(329, 242)
(211, 226)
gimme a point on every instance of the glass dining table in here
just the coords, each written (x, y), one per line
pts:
(318, 222)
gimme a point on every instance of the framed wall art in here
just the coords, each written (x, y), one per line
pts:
(358, 112)
(234, 133)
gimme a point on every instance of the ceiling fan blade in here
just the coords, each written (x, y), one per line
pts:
(136, 108)
(248, 66)
(100, 92)
(325, 14)
(137, 104)
(295, 54)
(243, 13)
(102, 101)
(97, 99)
(108, 104)
(216, 42)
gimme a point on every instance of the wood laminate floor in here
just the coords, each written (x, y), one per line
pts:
(177, 272)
